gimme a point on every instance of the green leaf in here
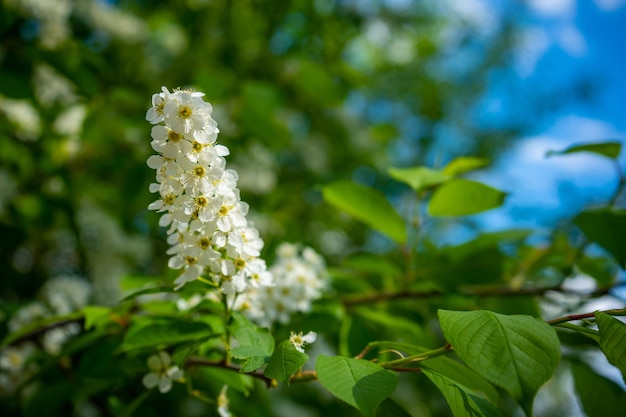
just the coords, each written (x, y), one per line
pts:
(256, 344)
(285, 361)
(418, 178)
(165, 332)
(393, 325)
(580, 330)
(463, 401)
(368, 205)
(600, 397)
(96, 316)
(447, 367)
(461, 197)
(390, 408)
(518, 353)
(130, 409)
(464, 164)
(613, 340)
(606, 227)
(219, 377)
(600, 268)
(608, 149)
(360, 383)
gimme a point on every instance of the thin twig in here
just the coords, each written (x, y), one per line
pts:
(360, 299)
(572, 317)
(197, 361)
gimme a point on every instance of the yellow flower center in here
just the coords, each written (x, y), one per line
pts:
(201, 201)
(169, 199)
(199, 171)
(174, 136)
(197, 146)
(204, 243)
(184, 112)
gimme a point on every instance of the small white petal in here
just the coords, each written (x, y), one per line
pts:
(150, 380)
(165, 384)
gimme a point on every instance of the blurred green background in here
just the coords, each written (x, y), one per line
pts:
(304, 92)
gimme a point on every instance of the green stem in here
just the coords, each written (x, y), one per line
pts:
(397, 363)
(579, 329)
(228, 314)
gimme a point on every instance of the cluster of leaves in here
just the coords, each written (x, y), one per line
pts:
(380, 324)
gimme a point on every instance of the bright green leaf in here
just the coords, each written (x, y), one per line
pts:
(518, 353)
(165, 332)
(463, 401)
(461, 197)
(418, 178)
(464, 164)
(613, 340)
(256, 344)
(368, 205)
(96, 316)
(608, 149)
(285, 361)
(606, 227)
(599, 396)
(360, 383)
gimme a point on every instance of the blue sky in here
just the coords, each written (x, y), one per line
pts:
(566, 41)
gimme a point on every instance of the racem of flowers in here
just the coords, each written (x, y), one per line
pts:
(209, 234)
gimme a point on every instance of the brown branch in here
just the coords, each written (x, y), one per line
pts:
(572, 317)
(360, 299)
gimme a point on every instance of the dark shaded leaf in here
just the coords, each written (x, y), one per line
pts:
(606, 227)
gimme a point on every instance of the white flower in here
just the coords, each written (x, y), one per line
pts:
(162, 374)
(198, 197)
(222, 403)
(296, 279)
(54, 339)
(24, 117)
(13, 359)
(299, 341)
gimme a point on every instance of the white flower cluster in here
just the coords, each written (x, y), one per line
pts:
(208, 231)
(300, 276)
